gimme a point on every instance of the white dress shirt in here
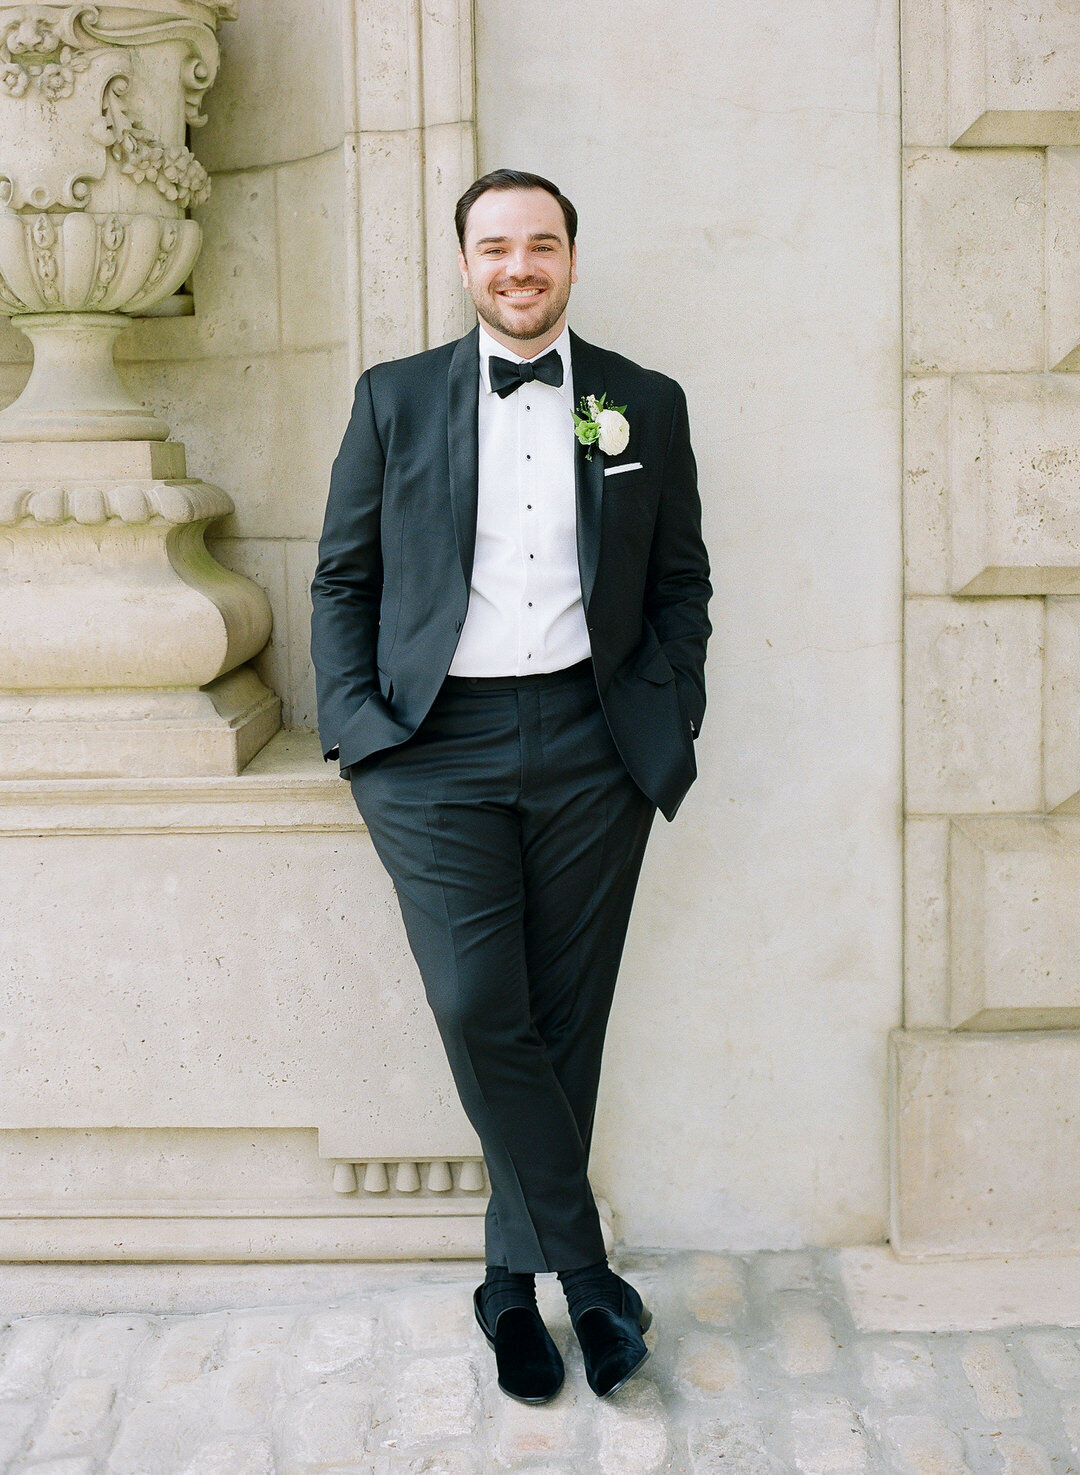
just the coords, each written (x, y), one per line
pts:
(525, 612)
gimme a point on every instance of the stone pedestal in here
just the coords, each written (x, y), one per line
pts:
(74, 391)
(124, 641)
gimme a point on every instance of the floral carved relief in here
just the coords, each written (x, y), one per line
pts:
(173, 168)
(67, 77)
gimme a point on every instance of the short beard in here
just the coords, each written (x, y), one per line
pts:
(489, 313)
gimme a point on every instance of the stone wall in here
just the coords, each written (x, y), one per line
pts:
(736, 172)
(739, 174)
(985, 1097)
(216, 1044)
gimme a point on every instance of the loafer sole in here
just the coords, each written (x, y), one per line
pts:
(627, 1376)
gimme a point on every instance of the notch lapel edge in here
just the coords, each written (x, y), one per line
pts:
(463, 445)
(587, 368)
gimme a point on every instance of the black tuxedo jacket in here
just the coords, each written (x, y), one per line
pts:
(392, 585)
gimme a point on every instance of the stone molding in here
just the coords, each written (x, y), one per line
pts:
(92, 262)
(992, 925)
(225, 1238)
(92, 503)
(234, 1194)
(990, 469)
(285, 788)
(1013, 515)
(1013, 923)
(404, 1178)
(1012, 74)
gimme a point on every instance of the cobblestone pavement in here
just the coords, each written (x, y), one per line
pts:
(757, 1369)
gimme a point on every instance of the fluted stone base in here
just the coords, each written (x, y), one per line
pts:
(125, 642)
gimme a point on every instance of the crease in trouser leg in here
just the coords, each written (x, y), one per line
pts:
(575, 957)
(534, 1241)
(446, 820)
(533, 1148)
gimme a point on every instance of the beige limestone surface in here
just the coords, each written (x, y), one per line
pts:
(980, 1119)
(740, 229)
(982, 1107)
(743, 1100)
(239, 961)
(973, 267)
(736, 170)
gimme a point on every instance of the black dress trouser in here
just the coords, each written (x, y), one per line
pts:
(514, 837)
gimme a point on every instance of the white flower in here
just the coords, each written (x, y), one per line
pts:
(614, 432)
(596, 423)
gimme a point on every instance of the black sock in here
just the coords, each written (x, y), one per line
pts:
(592, 1285)
(503, 1288)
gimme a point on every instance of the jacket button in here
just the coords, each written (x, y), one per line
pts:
(457, 624)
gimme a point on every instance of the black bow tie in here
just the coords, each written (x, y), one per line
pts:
(507, 376)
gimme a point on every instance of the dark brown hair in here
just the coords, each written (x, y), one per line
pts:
(511, 179)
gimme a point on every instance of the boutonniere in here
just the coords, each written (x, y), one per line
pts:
(598, 423)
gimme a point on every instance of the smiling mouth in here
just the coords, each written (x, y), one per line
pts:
(520, 294)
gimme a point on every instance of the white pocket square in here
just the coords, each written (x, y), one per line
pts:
(626, 466)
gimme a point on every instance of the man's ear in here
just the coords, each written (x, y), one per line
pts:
(573, 262)
(462, 266)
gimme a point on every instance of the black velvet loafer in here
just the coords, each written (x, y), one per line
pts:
(529, 1364)
(612, 1346)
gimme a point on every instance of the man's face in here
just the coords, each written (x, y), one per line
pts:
(518, 263)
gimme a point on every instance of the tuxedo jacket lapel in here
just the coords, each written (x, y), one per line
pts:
(587, 367)
(587, 364)
(462, 391)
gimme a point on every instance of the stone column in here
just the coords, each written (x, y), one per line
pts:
(124, 641)
(985, 1074)
(410, 152)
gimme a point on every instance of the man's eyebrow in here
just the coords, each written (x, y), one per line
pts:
(539, 235)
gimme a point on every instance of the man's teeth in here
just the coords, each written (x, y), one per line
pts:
(531, 292)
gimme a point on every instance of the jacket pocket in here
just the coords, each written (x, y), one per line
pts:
(655, 668)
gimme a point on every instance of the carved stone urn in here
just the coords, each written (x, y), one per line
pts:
(122, 642)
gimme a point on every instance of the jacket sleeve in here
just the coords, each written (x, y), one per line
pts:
(347, 588)
(677, 587)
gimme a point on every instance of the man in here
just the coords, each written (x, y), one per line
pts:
(509, 631)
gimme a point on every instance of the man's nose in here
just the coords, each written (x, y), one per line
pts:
(519, 264)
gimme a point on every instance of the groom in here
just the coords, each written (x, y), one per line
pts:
(509, 629)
